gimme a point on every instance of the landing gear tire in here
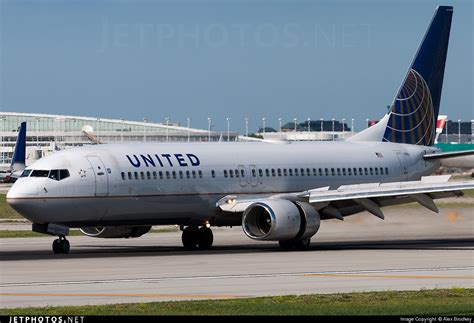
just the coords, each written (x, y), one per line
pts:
(286, 244)
(190, 237)
(61, 245)
(302, 244)
(205, 238)
(295, 244)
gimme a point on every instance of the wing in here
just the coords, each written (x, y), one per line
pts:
(350, 199)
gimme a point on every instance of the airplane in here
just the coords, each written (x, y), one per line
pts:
(19, 156)
(276, 191)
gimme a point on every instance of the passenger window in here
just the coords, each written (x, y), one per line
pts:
(296, 171)
(267, 172)
(237, 173)
(344, 171)
(225, 173)
(376, 171)
(123, 175)
(181, 174)
(129, 175)
(290, 171)
(174, 174)
(360, 172)
(333, 173)
(302, 171)
(242, 173)
(260, 172)
(381, 171)
(161, 174)
(349, 171)
(273, 172)
(355, 171)
(194, 173)
(386, 171)
(254, 173)
(231, 173)
(189, 176)
(200, 173)
(366, 171)
(326, 170)
(136, 175)
(279, 172)
(285, 172)
(155, 176)
(167, 175)
(315, 172)
(308, 172)
(371, 171)
(338, 172)
(213, 173)
(142, 175)
(148, 175)
(320, 171)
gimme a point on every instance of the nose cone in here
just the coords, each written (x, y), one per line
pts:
(23, 188)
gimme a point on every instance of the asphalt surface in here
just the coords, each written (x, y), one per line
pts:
(412, 249)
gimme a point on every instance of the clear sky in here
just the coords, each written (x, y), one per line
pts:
(223, 58)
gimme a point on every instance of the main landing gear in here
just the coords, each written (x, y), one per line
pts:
(61, 245)
(192, 237)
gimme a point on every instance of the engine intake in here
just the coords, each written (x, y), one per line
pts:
(115, 232)
(280, 220)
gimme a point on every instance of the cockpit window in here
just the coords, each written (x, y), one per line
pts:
(39, 173)
(26, 173)
(58, 174)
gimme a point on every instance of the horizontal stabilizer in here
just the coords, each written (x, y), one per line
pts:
(450, 154)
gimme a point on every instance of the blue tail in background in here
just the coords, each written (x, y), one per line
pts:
(415, 110)
(19, 155)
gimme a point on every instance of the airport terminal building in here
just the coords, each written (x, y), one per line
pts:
(47, 133)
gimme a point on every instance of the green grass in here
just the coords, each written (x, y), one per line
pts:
(455, 301)
(469, 193)
(72, 232)
(6, 212)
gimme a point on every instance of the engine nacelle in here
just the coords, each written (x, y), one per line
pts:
(115, 232)
(280, 220)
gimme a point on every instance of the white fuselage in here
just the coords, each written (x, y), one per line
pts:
(174, 183)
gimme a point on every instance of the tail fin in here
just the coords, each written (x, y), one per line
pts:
(440, 126)
(18, 160)
(413, 114)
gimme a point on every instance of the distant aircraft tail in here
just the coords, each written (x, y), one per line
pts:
(440, 126)
(19, 155)
(414, 111)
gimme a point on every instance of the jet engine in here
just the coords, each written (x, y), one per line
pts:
(115, 232)
(280, 220)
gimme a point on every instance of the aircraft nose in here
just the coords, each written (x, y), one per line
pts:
(22, 188)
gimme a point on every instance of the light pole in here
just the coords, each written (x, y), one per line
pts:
(459, 131)
(343, 126)
(321, 124)
(279, 124)
(144, 129)
(367, 123)
(228, 129)
(121, 130)
(352, 126)
(263, 121)
(333, 134)
(98, 130)
(37, 133)
(446, 131)
(209, 120)
(246, 127)
(294, 120)
(189, 129)
(167, 128)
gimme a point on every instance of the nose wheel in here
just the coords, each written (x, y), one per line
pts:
(193, 237)
(61, 245)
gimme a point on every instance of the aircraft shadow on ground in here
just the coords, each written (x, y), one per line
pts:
(83, 251)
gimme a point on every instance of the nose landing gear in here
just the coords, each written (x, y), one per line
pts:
(202, 237)
(61, 245)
